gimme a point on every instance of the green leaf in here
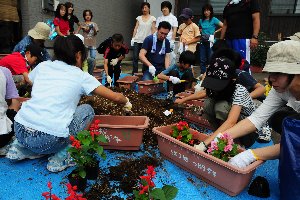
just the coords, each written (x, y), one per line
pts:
(102, 138)
(86, 142)
(157, 193)
(100, 150)
(82, 173)
(170, 192)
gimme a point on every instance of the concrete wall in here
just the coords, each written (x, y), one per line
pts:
(112, 16)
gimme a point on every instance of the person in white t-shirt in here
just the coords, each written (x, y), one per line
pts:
(145, 25)
(45, 122)
(166, 8)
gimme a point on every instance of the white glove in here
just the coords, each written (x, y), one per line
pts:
(201, 146)
(174, 80)
(109, 80)
(127, 106)
(211, 38)
(243, 159)
(132, 42)
(172, 44)
(198, 87)
(180, 48)
(218, 136)
(152, 70)
(113, 62)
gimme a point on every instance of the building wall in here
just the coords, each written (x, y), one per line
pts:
(112, 16)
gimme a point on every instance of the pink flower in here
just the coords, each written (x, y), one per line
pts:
(228, 148)
(214, 145)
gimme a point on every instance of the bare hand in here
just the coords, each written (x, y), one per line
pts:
(253, 43)
(179, 101)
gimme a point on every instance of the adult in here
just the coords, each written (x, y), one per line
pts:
(281, 108)
(166, 8)
(155, 52)
(144, 26)
(208, 25)
(241, 25)
(72, 18)
(37, 35)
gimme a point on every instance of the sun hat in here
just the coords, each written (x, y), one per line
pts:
(41, 31)
(186, 13)
(284, 57)
(219, 74)
(295, 37)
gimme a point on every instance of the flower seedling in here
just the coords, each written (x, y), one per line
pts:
(181, 132)
(147, 190)
(85, 147)
(223, 148)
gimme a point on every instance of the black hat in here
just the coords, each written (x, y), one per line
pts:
(186, 13)
(219, 74)
(36, 51)
(259, 187)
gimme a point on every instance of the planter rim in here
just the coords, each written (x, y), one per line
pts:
(245, 170)
(125, 79)
(142, 126)
(150, 82)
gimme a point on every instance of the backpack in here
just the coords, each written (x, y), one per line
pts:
(103, 46)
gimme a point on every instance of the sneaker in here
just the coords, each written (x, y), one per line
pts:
(17, 151)
(57, 163)
(264, 135)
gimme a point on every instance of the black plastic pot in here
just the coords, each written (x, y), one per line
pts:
(92, 171)
(75, 179)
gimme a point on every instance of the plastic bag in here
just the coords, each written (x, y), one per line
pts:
(289, 163)
(53, 33)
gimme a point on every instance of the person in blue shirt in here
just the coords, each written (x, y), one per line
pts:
(155, 52)
(180, 75)
(208, 25)
(37, 35)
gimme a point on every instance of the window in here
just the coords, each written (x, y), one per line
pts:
(285, 7)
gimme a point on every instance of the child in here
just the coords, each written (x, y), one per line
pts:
(8, 108)
(60, 21)
(59, 109)
(179, 72)
(19, 64)
(188, 30)
(166, 8)
(90, 30)
(113, 56)
(72, 18)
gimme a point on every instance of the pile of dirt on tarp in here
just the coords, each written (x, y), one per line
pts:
(142, 105)
(121, 178)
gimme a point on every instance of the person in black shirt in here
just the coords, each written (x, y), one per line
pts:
(113, 56)
(241, 26)
(72, 18)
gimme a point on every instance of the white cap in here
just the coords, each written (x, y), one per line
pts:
(80, 37)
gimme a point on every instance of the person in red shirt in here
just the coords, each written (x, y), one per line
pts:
(19, 64)
(60, 21)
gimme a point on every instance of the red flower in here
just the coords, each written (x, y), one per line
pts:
(75, 143)
(97, 121)
(191, 142)
(149, 181)
(179, 137)
(49, 185)
(150, 171)
(144, 189)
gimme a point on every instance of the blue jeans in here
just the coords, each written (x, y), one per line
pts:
(135, 61)
(205, 53)
(92, 51)
(43, 143)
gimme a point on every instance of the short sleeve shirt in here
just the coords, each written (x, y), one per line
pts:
(110, 53)
(189, 32)
(51, 110)
(156, 59)
(144, 29)
(209, 26)
(241, 97)
(172, 20)
(73, 19)
(15, 62)
(11, 90)
(90, 34)
(62, 24)
(239, 19)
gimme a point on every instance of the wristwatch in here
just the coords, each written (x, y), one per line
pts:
(255, 36)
